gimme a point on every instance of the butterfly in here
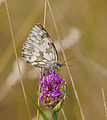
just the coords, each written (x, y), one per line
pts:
(39, 50)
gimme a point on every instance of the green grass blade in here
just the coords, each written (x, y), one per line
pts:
(40, 109)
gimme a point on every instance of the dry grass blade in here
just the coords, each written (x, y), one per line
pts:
(44, 22)
(81, 110)
(104, 101)
(6, 56)
(38, 104)
(65, 118)
(14, 46)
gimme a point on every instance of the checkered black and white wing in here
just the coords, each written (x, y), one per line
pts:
(39, 49)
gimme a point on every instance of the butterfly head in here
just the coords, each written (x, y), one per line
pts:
(58, 65)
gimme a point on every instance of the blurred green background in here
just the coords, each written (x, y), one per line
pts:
(89, 66)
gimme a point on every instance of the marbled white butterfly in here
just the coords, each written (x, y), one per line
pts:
(39, 49)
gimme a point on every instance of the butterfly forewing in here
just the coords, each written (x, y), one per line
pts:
(39, 49)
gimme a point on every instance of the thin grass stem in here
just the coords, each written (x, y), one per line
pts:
(65, 118)
(104, 101)
(44, 20)
(14, 46)
(6, 56)
(44, 23)
(38, 104)
(72, 81)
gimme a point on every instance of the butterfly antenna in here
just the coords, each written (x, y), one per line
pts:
(68, 60)
(68, 65)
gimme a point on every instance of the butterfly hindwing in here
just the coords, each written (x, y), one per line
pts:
(39, 49)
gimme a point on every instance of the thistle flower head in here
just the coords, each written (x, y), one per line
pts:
(51, 88)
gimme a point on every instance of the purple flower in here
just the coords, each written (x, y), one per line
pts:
(51, 88)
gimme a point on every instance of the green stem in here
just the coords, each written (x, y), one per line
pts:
(54, 115)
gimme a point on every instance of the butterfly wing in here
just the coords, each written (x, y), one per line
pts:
(39, 49)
